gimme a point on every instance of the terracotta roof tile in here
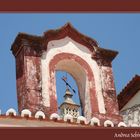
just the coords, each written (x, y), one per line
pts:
(129, 91)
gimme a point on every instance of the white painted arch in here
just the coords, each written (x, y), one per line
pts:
(26, 112)
(77, 72)
(122, 124)
(95, 120)
(68, 117)
(67, 45)
(40, 113)
(54, 116)
(108, 122)
(81, 118)
(11, 110)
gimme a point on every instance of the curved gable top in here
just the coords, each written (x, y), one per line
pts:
(39, 43)
(70, 31)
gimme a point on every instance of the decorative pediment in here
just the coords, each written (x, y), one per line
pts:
(70, 31)
(39, 43)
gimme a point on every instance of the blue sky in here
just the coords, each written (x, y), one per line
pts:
(119, 32)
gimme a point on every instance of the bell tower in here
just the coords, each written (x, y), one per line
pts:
(69, 106)
(66, 49)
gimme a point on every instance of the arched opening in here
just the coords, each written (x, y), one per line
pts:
(80, 70)
(61, 89)
(77, 77)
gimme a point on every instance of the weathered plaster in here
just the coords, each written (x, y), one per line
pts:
(38, 58)
(67, 45)
(109, 91)
(131, 116)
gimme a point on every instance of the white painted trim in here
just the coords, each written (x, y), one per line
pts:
(122, 124)
(108, 122)
(68, 117)
(134, 125)
(54, 116)
(11, 110)
(67, 45)
(26, 112)
(81, 118)
(39, 113)
(94, 120)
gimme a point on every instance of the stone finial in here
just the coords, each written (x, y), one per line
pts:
(11, 112)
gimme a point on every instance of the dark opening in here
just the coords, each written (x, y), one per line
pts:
(109, 125)
(82, 122)
(68, 120)
(40, 117)
(26, 116)
(11, 114)
(54, 119)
